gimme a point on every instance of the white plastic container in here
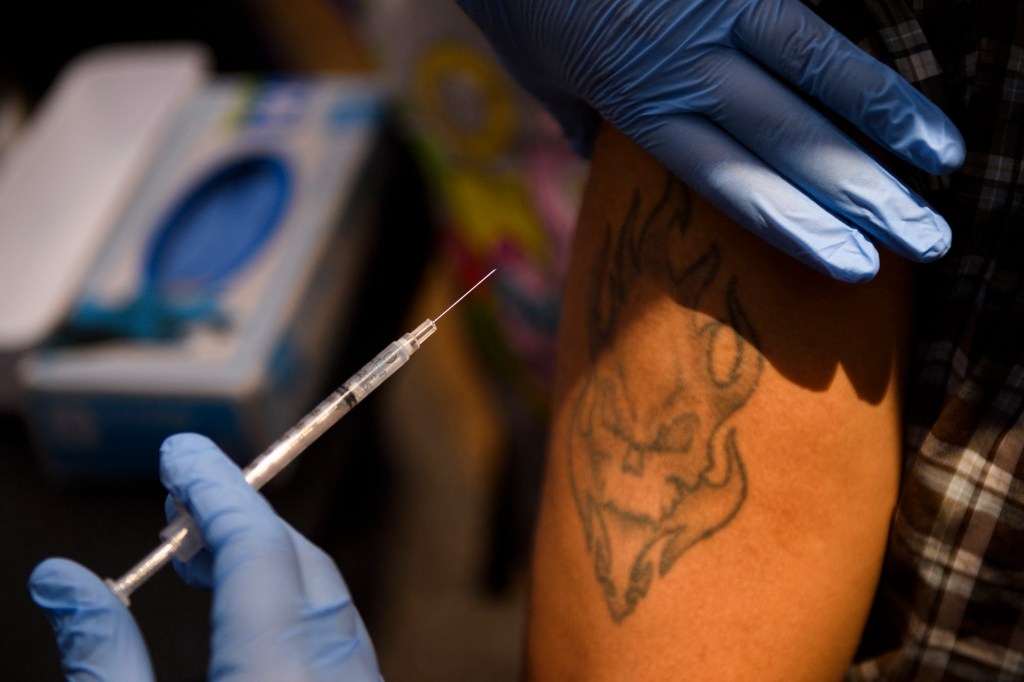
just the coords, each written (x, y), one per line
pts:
(68, 173)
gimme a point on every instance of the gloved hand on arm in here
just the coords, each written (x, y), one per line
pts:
(714, 89)
(281, 610)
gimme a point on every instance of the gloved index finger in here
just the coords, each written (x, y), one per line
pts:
(254, 564)
(794, 42)
(231, 515)
(199, 475)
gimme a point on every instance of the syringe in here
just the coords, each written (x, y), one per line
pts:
(181, 538)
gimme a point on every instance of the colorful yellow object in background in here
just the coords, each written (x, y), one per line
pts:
(466, 101)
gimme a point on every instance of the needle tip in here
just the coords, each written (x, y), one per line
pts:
(468, 291)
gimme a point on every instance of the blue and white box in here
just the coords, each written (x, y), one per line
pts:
(216, 303)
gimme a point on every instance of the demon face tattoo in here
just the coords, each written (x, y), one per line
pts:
(654, 462)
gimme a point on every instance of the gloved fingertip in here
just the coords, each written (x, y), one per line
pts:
(950, 148)
(180, 454)
(852, 260)
(922, 238)
(57, 584)
(65, 590)
(952, 154)
(182, 444)
(938, 240)
(96, 636)
(47, 568)
(941, 152)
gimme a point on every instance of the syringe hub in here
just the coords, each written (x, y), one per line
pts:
(423, 332)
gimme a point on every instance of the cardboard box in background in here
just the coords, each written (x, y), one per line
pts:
(216, 303)
(67, 172)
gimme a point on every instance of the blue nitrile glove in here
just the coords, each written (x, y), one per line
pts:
(97, 637)
(713, 89)
(281, 610)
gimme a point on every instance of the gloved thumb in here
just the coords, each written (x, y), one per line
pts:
(96, 635)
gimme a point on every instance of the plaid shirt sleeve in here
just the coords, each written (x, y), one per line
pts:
(950, 603)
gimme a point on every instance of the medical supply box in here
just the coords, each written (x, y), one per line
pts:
(66, 172)
(219, 297)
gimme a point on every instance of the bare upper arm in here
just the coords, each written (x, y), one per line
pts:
(724, 453)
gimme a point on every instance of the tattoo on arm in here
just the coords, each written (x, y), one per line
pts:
(654, 463)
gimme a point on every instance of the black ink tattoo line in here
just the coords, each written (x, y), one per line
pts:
(655, 467)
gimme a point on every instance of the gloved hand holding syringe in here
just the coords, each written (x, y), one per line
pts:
(181, 538)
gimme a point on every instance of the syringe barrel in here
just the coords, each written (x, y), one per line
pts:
(181, 538)
(376, 371)
(335, 406)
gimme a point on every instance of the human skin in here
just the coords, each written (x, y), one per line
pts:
(724, 451)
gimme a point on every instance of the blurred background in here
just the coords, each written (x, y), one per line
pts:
(406, 166)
